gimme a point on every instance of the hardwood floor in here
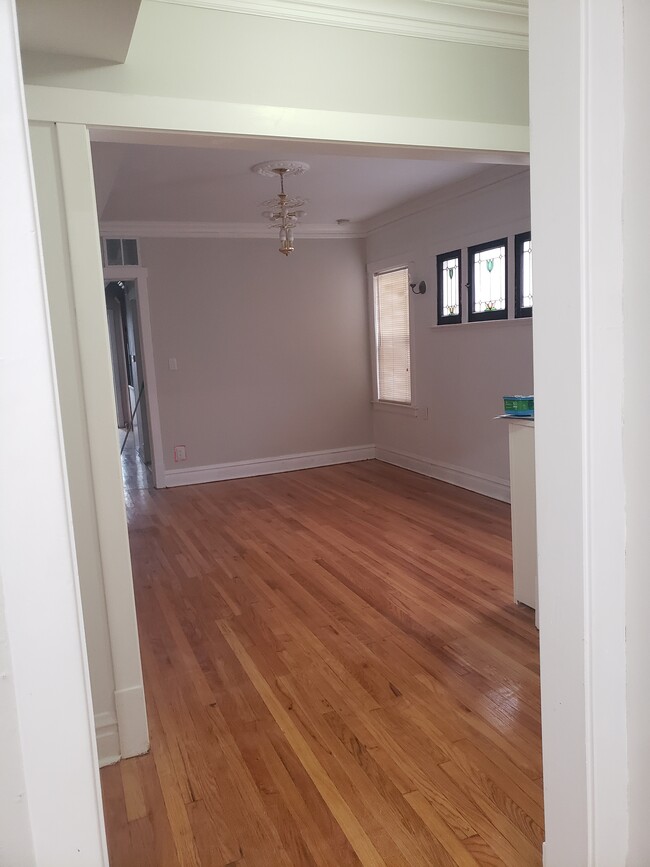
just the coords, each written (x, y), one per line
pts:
(335, 674)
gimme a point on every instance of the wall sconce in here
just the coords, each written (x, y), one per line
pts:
(421, 288)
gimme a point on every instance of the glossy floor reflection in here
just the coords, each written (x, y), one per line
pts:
(336, 675)
(136, 475)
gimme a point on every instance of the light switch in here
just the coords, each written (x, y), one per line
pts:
(173, 364)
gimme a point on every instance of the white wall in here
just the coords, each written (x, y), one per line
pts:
(636, 309)
(577, 129)
(461, 372)
(15, 830)
(50, 802)
(272, 352)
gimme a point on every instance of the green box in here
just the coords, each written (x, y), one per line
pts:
(519, 404)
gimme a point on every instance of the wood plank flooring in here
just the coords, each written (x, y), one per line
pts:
(335, 675)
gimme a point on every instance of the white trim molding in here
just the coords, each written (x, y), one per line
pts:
(491, 176)
(171, 229)
(108, 740)
(120, 735)
(497, 23)
(268, 466)
(79, 276)
(130, 708)
(480, 483)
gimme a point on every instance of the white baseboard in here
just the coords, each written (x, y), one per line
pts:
(108, 741)
(489, 486)
(126, 734)
(132, 725)
(267, 466)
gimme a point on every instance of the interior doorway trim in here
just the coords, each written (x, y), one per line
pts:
(77, 184)
(74, 273)
(140, 274)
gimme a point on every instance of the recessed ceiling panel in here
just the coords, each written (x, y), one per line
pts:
(176, 184)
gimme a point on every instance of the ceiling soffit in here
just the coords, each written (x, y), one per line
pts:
(96, 29)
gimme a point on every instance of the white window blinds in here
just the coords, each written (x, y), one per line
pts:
(393, 338)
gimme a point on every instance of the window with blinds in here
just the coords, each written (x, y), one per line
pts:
(392, 336)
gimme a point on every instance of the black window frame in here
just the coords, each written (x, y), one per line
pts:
(489, 315)
(520, 311)
(441, 259)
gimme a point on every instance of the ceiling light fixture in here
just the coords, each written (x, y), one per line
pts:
(283, 211)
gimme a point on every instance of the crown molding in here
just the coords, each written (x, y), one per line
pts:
(492, 176)
(443, 195)
(168, 229)
(495, 23)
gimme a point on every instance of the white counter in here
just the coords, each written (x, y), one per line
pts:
(523, 512)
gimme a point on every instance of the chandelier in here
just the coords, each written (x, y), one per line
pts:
(283, 212)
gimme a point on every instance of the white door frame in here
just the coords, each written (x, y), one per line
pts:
(140, 274)
(118, 356)
(68, 217)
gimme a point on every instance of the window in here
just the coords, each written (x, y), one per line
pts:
(120, 251)
(488, 280)
(449, 284)
(392, 336)
(523, 275)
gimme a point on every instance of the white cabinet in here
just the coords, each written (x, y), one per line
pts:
(524, 522)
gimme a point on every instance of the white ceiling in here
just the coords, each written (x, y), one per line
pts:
(99, 29)
(150, 182)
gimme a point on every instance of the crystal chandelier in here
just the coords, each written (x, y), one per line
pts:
(284, 211)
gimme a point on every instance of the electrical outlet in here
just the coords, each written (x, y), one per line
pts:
(179, 454)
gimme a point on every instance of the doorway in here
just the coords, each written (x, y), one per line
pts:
(129, 383)
(134, 383)
(216, 302)
(95, 358)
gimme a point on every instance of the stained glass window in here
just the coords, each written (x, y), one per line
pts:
(488, 273)
(523, 275)
(449, 283)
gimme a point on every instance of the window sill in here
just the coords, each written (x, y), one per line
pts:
(485, 323)
(398, 408)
